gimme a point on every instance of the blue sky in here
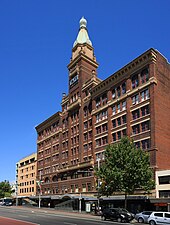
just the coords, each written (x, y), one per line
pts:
(36, 39)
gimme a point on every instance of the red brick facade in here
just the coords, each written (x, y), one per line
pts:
(134, 101)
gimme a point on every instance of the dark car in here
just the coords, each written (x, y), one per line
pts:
(117, 214)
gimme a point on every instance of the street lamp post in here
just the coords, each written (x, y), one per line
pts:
(39, 182)
(80, 197)
(16, 193)
(98, 182)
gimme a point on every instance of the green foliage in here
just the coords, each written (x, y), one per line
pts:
(125, 169)
(5, 189)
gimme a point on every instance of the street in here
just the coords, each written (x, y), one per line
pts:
(44, 216)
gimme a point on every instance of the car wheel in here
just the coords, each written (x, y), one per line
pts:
(119, 220)
(140, 220)
(104, 217)
(152, 222)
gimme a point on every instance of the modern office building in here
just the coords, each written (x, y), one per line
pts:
(26, 170)
(133, 101)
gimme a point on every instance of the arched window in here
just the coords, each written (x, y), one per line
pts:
(54, 179)
(47, 180)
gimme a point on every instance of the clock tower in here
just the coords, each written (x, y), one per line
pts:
(75, 106)
(83, 65)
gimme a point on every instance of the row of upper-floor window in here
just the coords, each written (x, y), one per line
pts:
(120, 90)
(26, 183)
(87, 135)
(73, 188)
(87, 147)
(88, 124)
(27, 162)
(53, 128)
(25, 176)
(115, 123)
(27, 190)
(65, 176)
(32, 167)
(142, 127)
(118, 135)
(74, 97)
(116, 92)
(143, 144)
(144, 95)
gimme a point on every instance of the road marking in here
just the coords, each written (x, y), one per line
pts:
(23, 216)
(22, 221)
(70, 223)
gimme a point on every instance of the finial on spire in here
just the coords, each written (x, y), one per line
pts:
(83, 22)
(83, 34)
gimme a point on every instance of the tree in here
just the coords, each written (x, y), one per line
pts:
(5, 189)
(125, 169)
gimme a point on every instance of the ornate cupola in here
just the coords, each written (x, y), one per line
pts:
(83, 62)
(82, 36)
(83, 44)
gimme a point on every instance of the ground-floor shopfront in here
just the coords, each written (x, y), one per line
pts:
(92, 204)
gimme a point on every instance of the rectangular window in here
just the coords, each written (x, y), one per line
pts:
(119, 121)
(104, 140)
(164, 194)
(124, 119)
(135, 99)
(114, 123)
(135, 81)
(114, 136)
(88, 186)
(118, 92)
(124, 105)
(164, 180)
(136, 129)
(118, 108)
(83, 187)
(123, 88)
(104, 127)
(145, 126)
(114, 110)
(113, 94)
(124, 132)
(145, 110)
(145, 144)
(144, 76)
(144, 95)
(119, 135)
(135, 114)
(137, 144)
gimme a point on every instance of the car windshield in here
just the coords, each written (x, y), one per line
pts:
(122, 210)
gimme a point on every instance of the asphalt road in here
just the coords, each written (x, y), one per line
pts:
(22, 216)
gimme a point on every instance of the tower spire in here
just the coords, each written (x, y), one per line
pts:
(82, 36)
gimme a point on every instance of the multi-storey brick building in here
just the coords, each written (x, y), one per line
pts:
(26, 170)
(134, 101)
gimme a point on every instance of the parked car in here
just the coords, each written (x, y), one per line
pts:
(159, 218)
(117, 214)
(142, 217)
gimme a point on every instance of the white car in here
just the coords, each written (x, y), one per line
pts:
(159, 218)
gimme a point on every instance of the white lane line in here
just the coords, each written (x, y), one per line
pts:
(70, 223)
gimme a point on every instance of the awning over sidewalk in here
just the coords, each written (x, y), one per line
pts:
(160, 200)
